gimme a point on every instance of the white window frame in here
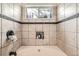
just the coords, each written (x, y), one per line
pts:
(51, 9)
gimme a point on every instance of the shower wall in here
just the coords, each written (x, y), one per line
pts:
(64, 34)
(29, 34)
(29, 30)
(10, 12)
(67, 29)
(0, 30)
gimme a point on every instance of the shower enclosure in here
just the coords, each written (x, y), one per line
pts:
(30, 27)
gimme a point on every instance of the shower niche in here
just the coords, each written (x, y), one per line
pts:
(40, 35)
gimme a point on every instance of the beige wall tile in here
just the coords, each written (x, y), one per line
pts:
(77, 40)
(25, 27)
(70, 50)
(17, 27)
(52, 28)
(25, 42)
(46, 27)
(77, 51)
(39, 27)
(32, 35)
(49, 33)
(70, 9)
(31, 27)
(70, 26)
(8, 10)
(66, 31)
(60, 36)
(25, 35)
(0, 52)
(32, 42)
(6, 26)
(0, 34)
(61, 44)
(60, 12)
(78, 24)
(70, 39)
(6, 50)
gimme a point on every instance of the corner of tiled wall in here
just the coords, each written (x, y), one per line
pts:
(9, 10)
(67, 31)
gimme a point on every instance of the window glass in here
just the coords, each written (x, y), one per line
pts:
(32, 12)
(35, 13)
(44, 13)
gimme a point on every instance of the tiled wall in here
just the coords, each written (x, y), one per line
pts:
(29, 34)
(65, 34)
(10, 25)
(0, 30)
(10, 10)
(29, 30)
(0, 36)
(67, 31)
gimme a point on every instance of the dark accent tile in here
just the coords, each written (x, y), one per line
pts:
(66, 19)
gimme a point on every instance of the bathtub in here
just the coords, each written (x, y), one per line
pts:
(40, 51)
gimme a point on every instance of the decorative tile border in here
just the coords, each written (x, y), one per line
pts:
(8, 18)
(69, 18)
(63, 20)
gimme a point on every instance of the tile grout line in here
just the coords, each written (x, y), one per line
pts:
(77, 30)
(64, 27)
(1, 29)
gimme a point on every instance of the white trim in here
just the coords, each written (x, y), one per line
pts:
(39, 8)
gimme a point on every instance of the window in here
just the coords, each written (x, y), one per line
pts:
(32, 12)
(35, 13)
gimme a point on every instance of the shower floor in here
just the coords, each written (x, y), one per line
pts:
(40, 51)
